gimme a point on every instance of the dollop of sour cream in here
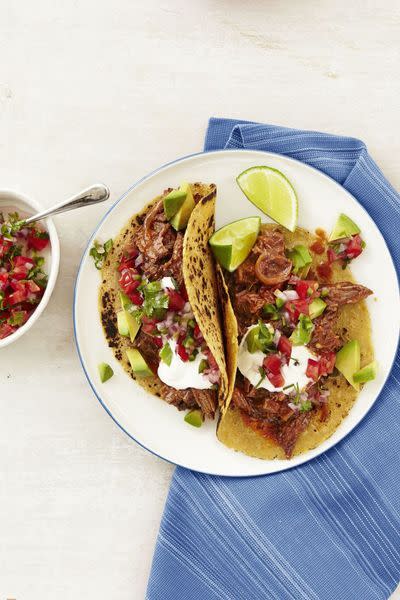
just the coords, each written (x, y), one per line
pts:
(182, 375)
(293, 373)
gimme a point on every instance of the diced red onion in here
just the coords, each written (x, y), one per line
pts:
(291, 295)
(212, 375)
(138, 260)
(277, 336)
(294, 406)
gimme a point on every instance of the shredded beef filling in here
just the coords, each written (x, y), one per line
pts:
(266, 412)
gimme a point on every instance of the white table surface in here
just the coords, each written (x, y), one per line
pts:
(101, 90)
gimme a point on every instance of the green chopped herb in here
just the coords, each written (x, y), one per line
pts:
(203, 365)
(262, 377)
(280, 302)
(188, 341)
(108, 246)
(155, 300)
(166, 354)
(287, 387)
(17, 318)
(39, 261)
(305, 406)
(12, 226)
(99, 252)
(270, 310)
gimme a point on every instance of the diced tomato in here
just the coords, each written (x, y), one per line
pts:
(129, 280)
(272, 363)
(183, 292)
(149, 324)
(332, 256)
(297, 307)
(312, 369)
(354, 247)
(37, 240)
(196, 331)
(326, 363)
(128, 259)
(181, 351)
(17, 285)
(285, 347)
(5, 246)
(22, 266)
(303, 287)
(6, 330)
(3, 280)
(32, 287)
(318, 247)
(16, 297)
(176, 301)
(277, 380)
(136, 298)
(212, 363)
(158, 341)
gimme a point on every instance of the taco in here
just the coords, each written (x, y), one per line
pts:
(158, 301)
(293, 307)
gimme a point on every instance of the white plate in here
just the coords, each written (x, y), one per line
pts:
(160, 427)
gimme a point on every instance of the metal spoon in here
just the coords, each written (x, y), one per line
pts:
(92, 195)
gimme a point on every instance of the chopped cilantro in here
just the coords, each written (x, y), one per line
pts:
(166, 354)
(262, 377)
(99, 252)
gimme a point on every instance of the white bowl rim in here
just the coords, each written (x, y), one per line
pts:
(55, 263)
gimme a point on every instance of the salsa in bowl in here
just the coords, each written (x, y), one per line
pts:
(29, 260)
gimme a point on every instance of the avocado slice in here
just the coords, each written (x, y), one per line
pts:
(127, 321)
(122, 323)
(316, 308)
(173, 202)
(194, 417)
(348, 361)
(344, 228)
(105, 372)
(139, 366)
(367, 373)
(181, 218)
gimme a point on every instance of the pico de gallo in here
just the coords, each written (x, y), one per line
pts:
(22, 277)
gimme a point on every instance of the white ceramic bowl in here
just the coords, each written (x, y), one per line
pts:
(28, 206)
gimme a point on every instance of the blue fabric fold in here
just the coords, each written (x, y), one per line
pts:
(328, 529)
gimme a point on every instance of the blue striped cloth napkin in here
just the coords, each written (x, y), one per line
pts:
(328, 529)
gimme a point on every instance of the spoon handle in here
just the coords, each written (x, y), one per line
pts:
(92, 195)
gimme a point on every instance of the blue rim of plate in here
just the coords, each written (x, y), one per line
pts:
(92, 237)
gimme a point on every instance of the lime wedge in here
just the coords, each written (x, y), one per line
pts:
(231, 244)
(272, 193)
